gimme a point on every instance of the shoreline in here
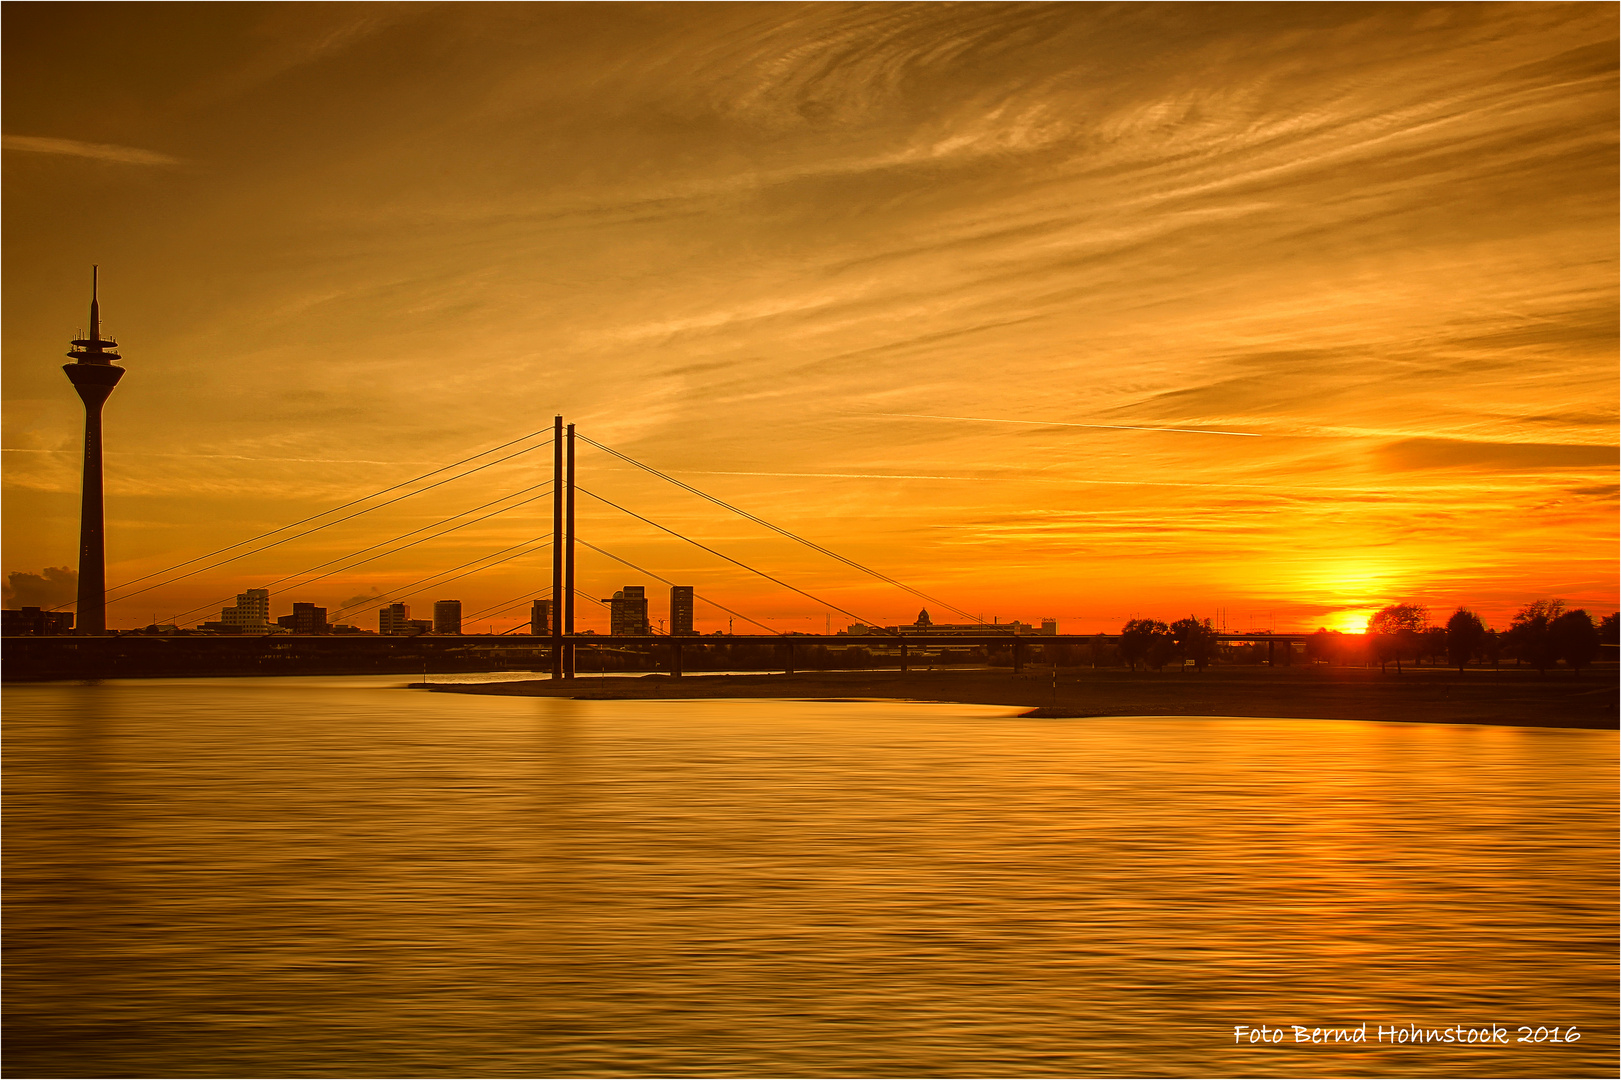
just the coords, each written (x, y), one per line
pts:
(1504, 696)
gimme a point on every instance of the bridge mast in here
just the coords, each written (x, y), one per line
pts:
(568, 560)
(557, 547)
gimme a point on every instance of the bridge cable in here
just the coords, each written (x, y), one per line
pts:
(333, 510)
(394, 551)
(667, 581)
(318, 528)
(507, 605)
(728, 558)
(486, 612)
(535, 594)
(393, 594)
(778, 529)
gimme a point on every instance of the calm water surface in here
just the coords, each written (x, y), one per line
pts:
(338, 877)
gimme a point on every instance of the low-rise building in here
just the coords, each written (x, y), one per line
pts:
(35, 622)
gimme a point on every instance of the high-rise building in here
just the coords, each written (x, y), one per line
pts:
(395, 619)
(447, 616)
(681, 610)
(628, 612)
(540, 618)
(250, 612)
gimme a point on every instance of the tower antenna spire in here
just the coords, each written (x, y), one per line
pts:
(95, 312)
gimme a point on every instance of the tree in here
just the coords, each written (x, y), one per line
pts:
(1144, 640)
(1324, 645)
(1531, 634)
(1194, 639)
(1465, 635)
(1574, 639)
(1162, 649)
(1609, 629)
(1397, 627)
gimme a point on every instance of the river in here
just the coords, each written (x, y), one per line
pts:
(342, 877)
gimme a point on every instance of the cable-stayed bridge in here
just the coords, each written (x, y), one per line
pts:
(559, 647)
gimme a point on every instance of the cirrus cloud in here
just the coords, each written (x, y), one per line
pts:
(124, 155)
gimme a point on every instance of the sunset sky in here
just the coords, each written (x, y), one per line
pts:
(1280, 313)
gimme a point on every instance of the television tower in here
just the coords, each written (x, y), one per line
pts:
(93, 375)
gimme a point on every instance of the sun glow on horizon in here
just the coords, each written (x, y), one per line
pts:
(1353, 621)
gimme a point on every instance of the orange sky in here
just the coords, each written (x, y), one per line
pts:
(816, 260)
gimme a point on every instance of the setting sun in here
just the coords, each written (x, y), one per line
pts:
(1350, 622)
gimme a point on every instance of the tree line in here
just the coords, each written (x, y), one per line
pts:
(1542, 634)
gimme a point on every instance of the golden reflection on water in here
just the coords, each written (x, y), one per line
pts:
(335, 877)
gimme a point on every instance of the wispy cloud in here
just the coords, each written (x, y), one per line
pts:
(124, 155)
(1067, 423)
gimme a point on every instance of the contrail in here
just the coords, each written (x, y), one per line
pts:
(1064, 423)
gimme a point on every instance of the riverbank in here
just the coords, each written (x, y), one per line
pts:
(1506, 696)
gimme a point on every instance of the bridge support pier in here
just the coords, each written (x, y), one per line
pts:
(906, 664)
(1270, 644)
(790, 665)
(1018, 656)
(675, 659)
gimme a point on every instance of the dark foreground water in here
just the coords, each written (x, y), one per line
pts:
(328, 876)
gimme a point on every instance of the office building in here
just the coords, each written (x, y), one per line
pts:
(540, 618)
(447, 616)
(395, 619)
(250, 612)
(305, 619)
(628, 612)
(681, 610)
